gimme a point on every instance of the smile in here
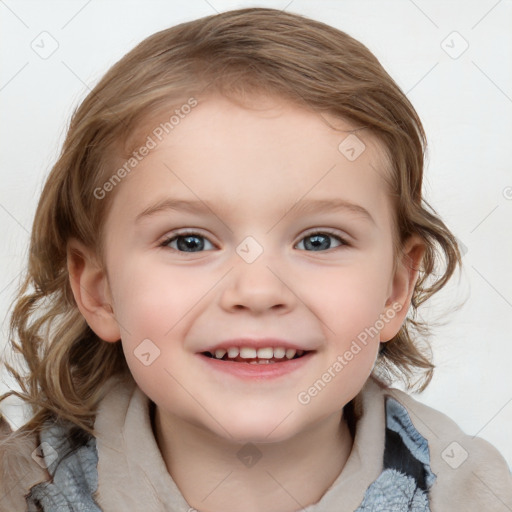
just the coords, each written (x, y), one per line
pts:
(251, 364)
(250, 355)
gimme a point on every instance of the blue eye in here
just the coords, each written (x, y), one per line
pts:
(186, 242)
(319, 240)
(194, 242)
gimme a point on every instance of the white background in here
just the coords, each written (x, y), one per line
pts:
(465, 104)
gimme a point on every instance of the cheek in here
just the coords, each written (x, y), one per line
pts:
(351, 298)
(154, 303)
(151, 303)
(151, 299)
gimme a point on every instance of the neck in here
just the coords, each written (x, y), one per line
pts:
(213, 475)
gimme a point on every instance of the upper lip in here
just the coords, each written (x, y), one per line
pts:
(256, 343)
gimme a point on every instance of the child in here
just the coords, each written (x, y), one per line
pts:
(222, 262)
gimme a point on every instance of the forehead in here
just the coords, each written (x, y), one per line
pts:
(265, 153)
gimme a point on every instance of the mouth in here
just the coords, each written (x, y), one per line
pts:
(255, 364)
(247, 355)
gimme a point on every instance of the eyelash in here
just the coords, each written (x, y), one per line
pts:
(185, 233)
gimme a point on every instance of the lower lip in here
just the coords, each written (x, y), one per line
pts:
(257, 371)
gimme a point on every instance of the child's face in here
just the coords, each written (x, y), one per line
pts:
(251, 270)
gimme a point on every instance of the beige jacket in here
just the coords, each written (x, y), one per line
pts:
(132, 475)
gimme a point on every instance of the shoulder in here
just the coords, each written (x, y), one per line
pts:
(471, 474)
(24, 456)
(19, 469)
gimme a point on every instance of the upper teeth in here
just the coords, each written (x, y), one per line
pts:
(261, 353)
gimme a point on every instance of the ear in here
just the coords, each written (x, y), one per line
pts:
(402, 287)
(91, 290)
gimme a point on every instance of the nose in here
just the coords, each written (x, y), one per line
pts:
(258, 287)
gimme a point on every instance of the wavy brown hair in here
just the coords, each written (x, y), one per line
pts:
(234, 53)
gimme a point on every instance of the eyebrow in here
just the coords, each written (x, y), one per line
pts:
(302, 207)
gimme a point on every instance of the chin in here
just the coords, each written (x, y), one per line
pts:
(255, 428)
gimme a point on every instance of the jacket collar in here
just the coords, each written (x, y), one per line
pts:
(125, 440)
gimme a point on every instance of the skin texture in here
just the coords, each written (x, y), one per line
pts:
(250, 165)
